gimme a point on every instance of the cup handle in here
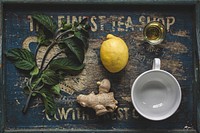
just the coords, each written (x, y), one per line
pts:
(156, 64)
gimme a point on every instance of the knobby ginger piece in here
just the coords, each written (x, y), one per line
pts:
(103, 102)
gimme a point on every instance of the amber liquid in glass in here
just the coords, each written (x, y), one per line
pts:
(153, 33)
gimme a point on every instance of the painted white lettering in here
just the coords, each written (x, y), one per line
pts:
(60, 20)
(27, 42)
(142, 20)
(129, 23)
(134, 115)
(30, 22)
(120, 23)
(170, 22)
(120, 113)
(101, 18)
(94, 25)
(126, 113)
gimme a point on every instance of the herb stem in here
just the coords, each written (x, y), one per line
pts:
(63, 33)
(45, 56)
(47, 51)
(27, 103)
(52, 59)
(36, 51)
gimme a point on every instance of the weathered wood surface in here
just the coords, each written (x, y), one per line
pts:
(198, 60)
(176, 54)
(142, 2)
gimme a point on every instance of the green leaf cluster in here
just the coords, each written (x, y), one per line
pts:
(46, 21)
(22, 58)
(76, 43)
(44, 80)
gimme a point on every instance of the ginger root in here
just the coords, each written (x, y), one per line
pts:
(102, 102)
(104, 86)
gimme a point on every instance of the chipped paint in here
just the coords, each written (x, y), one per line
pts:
(128, 99)
(181, 33)
(175, 47)
(175, 67)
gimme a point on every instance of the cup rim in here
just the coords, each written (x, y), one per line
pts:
(174, 108)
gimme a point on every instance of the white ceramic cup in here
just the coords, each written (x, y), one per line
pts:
(156, 94)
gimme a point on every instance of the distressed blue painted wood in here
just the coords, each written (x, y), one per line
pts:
(198, 44)
(178, 54)
(1, 77)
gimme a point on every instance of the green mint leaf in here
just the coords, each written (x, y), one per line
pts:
(49, 103)
(34, 94)
(76, 48)
(81, 36)
(35, 71)
(46, 21)
(42, 39)
(22, 58)
(49, 77)
(36, 82)
(62, 45)
(65, 64)
(67, 26)
(24, 65)
(56, 89)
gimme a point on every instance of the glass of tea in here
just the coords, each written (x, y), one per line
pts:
(154, 32)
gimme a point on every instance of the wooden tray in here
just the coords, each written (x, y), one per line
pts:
(179, 54)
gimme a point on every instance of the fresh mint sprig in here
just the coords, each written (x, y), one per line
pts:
(44, 79)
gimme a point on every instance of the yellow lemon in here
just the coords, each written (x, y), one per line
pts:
(114, 53)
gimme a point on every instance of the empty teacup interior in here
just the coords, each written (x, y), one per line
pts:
(156, 94)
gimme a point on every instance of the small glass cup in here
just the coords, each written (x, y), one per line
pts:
(154, 32)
